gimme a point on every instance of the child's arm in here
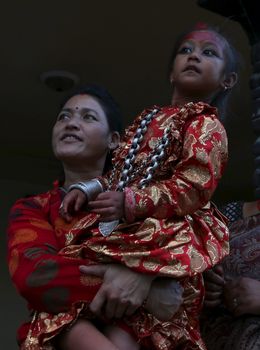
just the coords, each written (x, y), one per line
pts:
(72, 203)
(191, 186)
(194, 178)
(109, 205)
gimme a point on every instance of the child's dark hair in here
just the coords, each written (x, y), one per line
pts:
(109, 105)
(232, 59)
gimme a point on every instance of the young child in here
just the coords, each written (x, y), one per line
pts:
(164, 174)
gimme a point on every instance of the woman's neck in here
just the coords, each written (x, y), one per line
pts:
(73, 175)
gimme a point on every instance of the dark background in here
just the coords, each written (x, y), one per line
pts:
(123, 45)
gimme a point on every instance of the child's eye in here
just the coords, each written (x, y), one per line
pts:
(210, 52)
(62, 116)
(185, 49)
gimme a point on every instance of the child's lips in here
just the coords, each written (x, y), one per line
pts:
(191, 68)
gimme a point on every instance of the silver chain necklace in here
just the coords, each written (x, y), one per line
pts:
(127, 174)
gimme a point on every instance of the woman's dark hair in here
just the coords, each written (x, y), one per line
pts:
(232, 59)
(110, 107)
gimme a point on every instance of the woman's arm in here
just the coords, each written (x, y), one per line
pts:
(51, 282)
(48, 281)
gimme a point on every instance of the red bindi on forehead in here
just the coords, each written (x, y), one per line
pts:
(206, 36)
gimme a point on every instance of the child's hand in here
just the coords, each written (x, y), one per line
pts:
(109, 205)
(72, 202)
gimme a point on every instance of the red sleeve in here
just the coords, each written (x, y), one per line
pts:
(48, 281)
(194, 178)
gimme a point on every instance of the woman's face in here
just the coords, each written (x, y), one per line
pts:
(199, 66)
(81, 132)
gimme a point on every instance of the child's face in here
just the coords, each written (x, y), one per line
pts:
(199, 66)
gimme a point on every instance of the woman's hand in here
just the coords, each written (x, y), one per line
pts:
(242, 296)
(214, 286)
(122, 292)
(109, 205)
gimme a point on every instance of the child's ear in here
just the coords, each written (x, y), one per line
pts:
(230, 81)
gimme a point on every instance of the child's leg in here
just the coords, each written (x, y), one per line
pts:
(121, 339)
(83, 335)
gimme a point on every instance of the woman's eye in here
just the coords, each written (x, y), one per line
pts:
(89, 117)
(62, 116)
(185, 49)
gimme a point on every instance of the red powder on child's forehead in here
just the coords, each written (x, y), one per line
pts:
(201, 26)
(205, 35)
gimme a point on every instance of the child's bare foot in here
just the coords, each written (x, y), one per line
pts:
(164, 299)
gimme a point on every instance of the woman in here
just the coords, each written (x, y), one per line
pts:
(85, 132)
(232, 313)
